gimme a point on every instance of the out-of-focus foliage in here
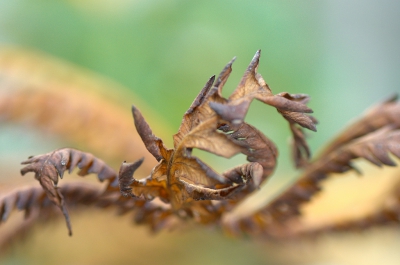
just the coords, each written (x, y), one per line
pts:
(165, 51)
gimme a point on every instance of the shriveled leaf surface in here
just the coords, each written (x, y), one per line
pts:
(182, 188)
(214, 124)
(49, 167)
(383, 114)
(372, 142)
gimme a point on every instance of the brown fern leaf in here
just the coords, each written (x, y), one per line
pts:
(177, 168)
(291, 106)
(50, 166)
(300, 151)
(145, 189)
(384, 113)
(20, 230)
(39, 208)
(212, 123)
(31, 199)
(180, 178)
(156, 214)
(181, 186)
(374, 147)
(23, 199)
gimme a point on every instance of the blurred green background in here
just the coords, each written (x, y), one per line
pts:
(341, 53)
(344, 54)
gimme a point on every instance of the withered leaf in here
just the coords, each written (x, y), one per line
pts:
(216, 124)
(372, 140)
(291, 106)
(181, 186)
(50, 166)
(383, 114)
(145, 189)
(212, 123)
(39, 210)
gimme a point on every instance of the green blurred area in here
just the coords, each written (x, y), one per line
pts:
(344, 54)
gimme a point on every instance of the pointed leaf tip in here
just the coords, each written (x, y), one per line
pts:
(231, 61)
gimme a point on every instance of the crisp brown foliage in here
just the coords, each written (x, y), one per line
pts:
(182, 187)
(49, 167)
(374, 138)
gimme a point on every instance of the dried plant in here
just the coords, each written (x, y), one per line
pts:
(182, 188)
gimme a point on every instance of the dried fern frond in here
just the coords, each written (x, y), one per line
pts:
(185, 178)
(38, 208)
(49, 167)
(180, 179)
(383, 114)
(373, 141)
(181, 187)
